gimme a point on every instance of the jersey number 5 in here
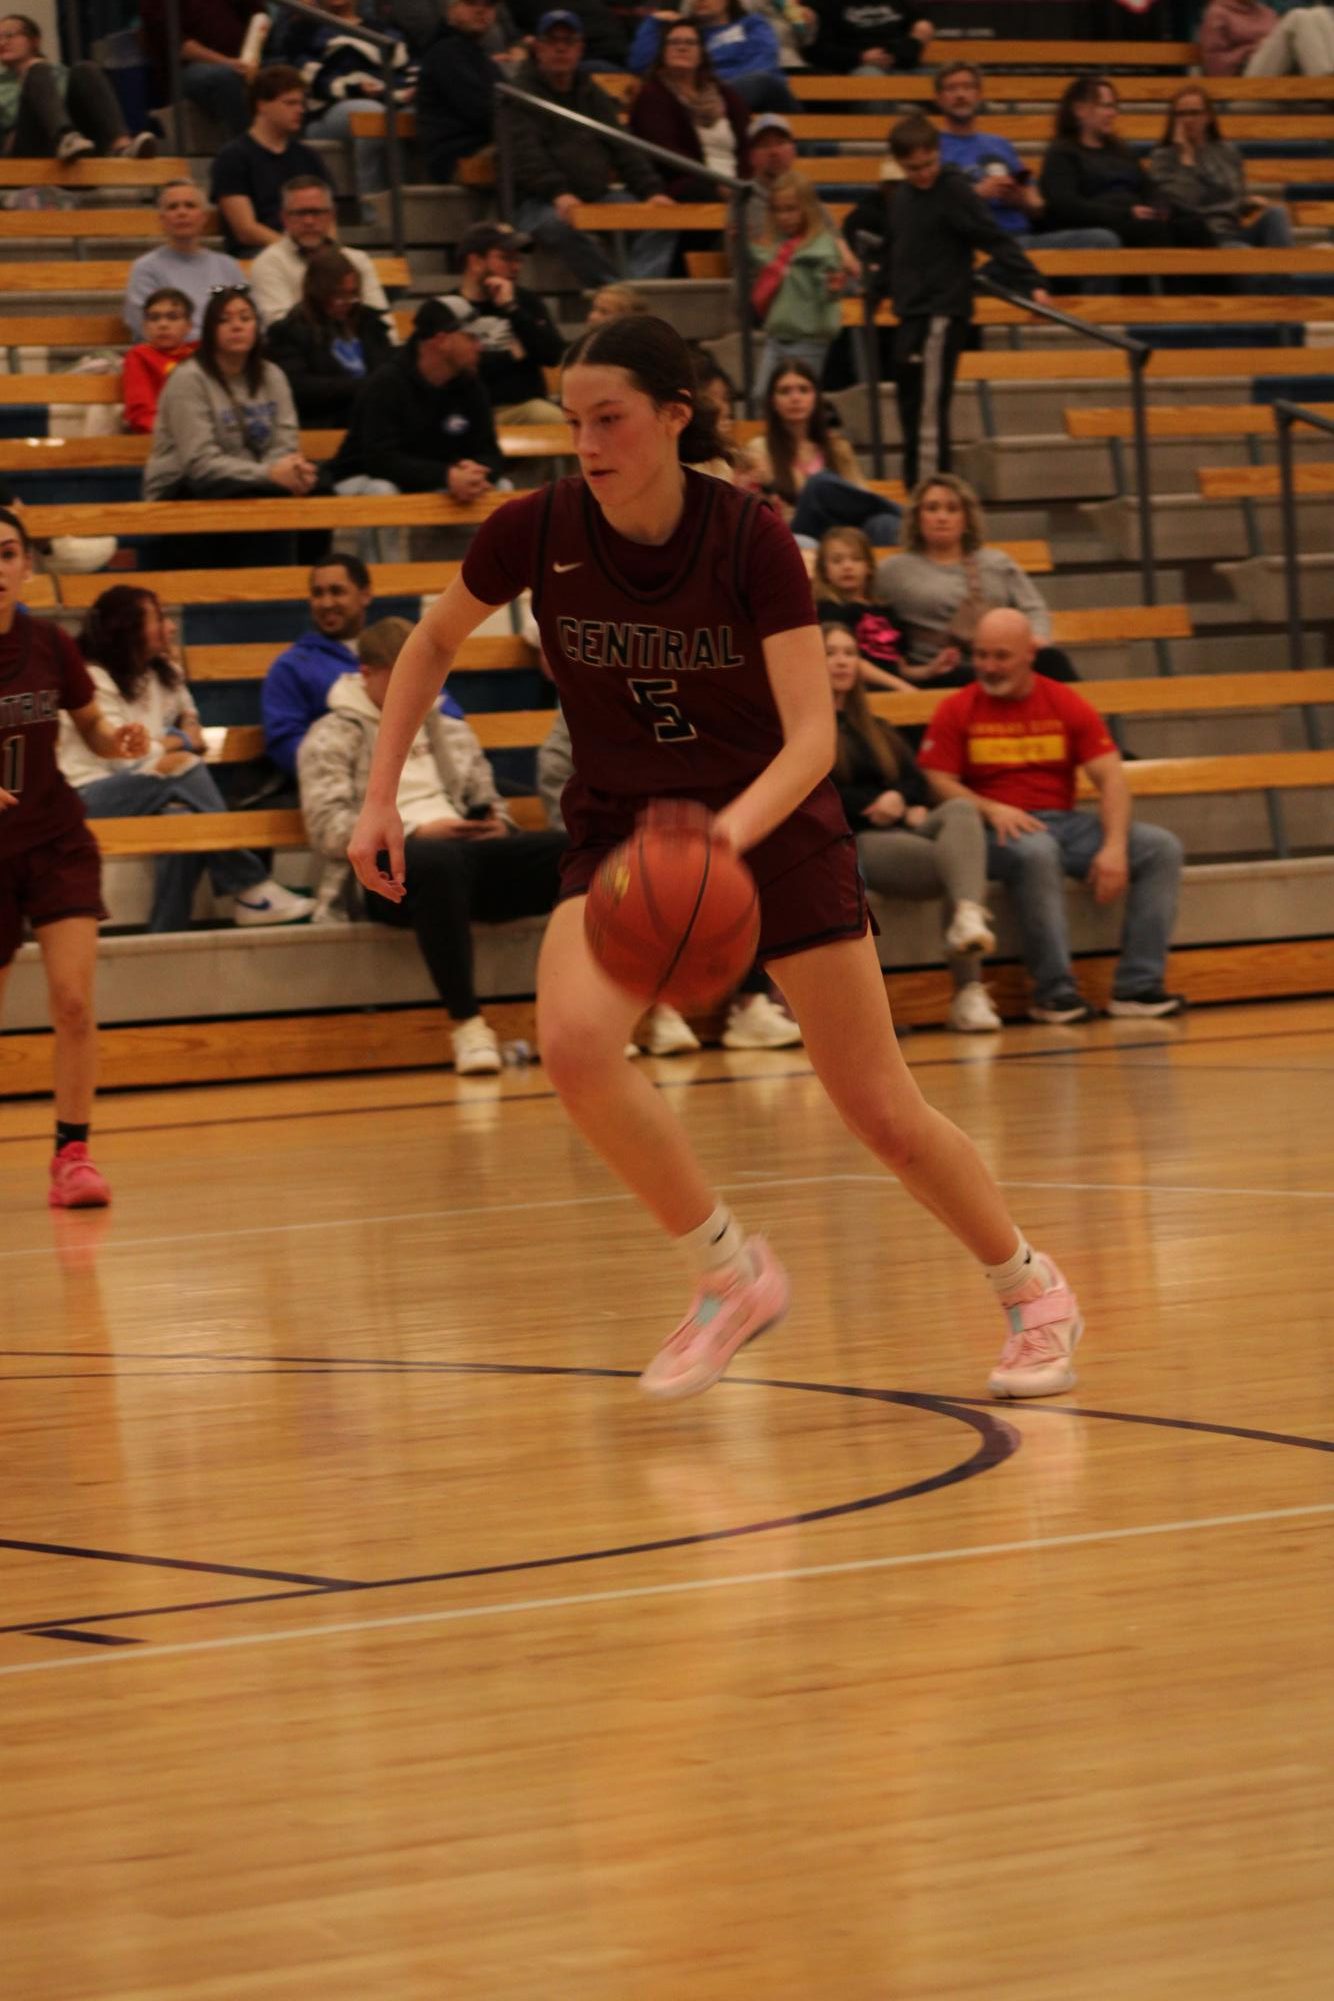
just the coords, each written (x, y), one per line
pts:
(669, 725)
(11, 764)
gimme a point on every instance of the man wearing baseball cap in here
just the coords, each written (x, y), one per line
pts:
(773, 153)
(422, 422)
(517, 336)
(557, 165)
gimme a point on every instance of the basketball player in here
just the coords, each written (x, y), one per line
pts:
(678, 622)
(50, 869)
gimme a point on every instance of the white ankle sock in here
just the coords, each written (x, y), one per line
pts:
(718, 1246)
(1009, 1278)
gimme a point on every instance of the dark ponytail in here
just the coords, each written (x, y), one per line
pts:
(660, 364)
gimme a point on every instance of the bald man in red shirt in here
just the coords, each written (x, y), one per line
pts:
(1014, 743)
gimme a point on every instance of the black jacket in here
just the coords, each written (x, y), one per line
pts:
(508, 377)
(929, 236)
(402, 429)
(322, 388)
(456, 102)
(865, 781)
(848, 28)
(605, 43)
(552, 158)
(1091, 186)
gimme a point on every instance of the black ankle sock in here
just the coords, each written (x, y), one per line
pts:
(67, 1131)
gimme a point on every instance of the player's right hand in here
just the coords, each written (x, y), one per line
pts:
(379, 831)
(7, 799)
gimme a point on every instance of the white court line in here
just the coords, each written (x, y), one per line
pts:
(362, 1221)
(455, 1614)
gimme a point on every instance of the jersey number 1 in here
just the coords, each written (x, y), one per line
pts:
(11, 764)
(669, 725)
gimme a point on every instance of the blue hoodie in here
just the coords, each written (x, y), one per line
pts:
(296, 693)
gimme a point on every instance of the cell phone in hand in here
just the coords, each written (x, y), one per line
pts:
(480, 811)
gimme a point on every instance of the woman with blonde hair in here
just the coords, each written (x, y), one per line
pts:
(609, 302)
(907, 845)
(798, 277)
(937, 589)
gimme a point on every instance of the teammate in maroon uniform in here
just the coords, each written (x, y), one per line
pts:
(50, 869)
(678, 622)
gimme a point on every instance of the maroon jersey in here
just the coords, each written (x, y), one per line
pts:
(657, 652)
(41, 673)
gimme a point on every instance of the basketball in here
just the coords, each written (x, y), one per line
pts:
(673, 915)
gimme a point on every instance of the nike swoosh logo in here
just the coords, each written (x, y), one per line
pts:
(561, 568)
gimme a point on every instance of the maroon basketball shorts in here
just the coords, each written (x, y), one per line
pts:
(811, 890)
(61, 878)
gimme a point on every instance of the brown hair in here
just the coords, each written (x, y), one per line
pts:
(1212, 131)
(323, 275)
(914, 134)
(821, 429)
(1085, 90)
(659, 363)
(380, 644)
(885, 745)
(855, 539)
(275, 80)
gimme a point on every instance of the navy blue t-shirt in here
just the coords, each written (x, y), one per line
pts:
(244, 167)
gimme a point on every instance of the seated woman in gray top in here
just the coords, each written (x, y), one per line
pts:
(938, 589)
(1196, 168)
(226, 423)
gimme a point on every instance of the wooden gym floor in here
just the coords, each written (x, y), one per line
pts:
(367, 1638)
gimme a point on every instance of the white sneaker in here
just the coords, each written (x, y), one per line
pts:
(970, 929)
(476, 1050)
(270, 903)
(666, 1033)
(972, 1012)
(73, 146)
(755, 1021)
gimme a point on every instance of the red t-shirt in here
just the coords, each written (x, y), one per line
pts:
(657, 652)
(1022, 753)
(41, 673)
(143, 377)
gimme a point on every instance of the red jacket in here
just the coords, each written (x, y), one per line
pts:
(658, 115)
(143, 377)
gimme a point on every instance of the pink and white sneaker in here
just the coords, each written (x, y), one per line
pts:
(75, 1182)
(724, 1314)
(1045, 1324)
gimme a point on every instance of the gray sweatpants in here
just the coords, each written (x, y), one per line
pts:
(946, 857)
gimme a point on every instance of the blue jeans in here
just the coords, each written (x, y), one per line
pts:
(370, 168)
(122, 794)
(1033, 868)
(220, 93)
(829, 501)
(588, 257)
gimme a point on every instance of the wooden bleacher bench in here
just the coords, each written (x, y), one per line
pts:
(26, 225)
(112, 274)
(1154, 695)
(1314, 214)
(1302, 261)
(1102, 364)
(1201, 420)
(1244, 771)
(199, 833)
(919, 87)
(858, 170)
(490, 653)
(1309, 482)
(92, 454)
(39, 593)
(1037, 125)
(84, 331)
(1063, 55)
(1254, 309)
(89, 173)
(240, 517)
(71, 388)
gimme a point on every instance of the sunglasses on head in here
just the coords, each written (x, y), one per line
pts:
(225, 291)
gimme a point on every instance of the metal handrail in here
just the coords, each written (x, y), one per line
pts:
(739, 190)
(1286, 417)
(385, 43)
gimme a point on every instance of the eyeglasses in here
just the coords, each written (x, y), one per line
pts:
(308, 214)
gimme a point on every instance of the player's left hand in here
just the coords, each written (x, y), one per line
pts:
(132, 740)
(1109, 872)
(7, 799)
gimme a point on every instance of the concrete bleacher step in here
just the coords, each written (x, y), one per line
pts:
(1187, 527)
(1014, 467)
(1258, 583)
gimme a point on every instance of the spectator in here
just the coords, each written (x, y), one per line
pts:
(929, 225)
(330, 343)
(906, 844)
(557, 166)
(250, 173)
(1091, 177)
(937, 590)
(842, 584)
(343, 73)
(866, 37)
(464, 861)
(995, 171)
(604, 38)
(773, 156)
(226, 422)
(48, 112)
(518, 337)
(422, 422)
(1013, 742)
(278, 273)
(682, 105)
(1195, 169)
(129, 646)
(215, 74)
(742, 47)
(609, 302)
(1246, 38)
(182, 260)
(148, 364)
(795, 290)
(456, 89)
(805, 463)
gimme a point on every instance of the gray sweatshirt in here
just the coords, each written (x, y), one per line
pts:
(208, 441)
(1212, 186)
(923, 597)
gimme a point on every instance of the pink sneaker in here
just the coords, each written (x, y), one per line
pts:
(75, 1182)
(1045, 1323)
(723, 1316)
